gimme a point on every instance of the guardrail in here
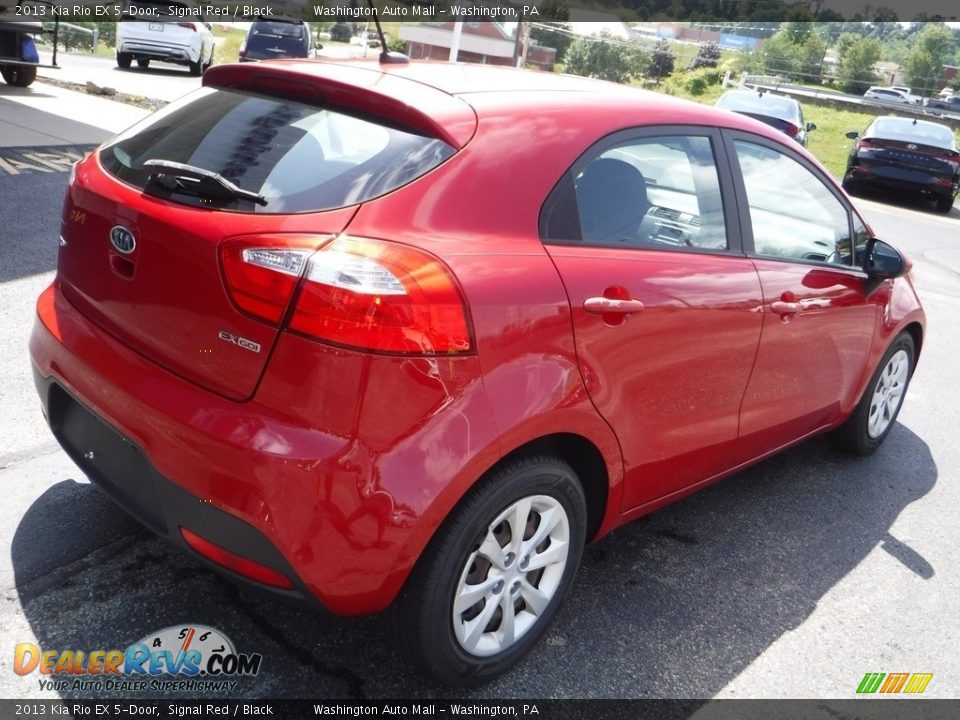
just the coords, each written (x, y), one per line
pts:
(834, 98)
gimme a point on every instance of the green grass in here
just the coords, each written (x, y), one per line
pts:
(228, 44)
(828, 142)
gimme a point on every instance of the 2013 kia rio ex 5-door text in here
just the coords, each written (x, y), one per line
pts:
(407, 337)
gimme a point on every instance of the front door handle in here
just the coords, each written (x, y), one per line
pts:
(605, 305)
(781, 307)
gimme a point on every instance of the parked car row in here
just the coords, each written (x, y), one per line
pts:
(902, 154)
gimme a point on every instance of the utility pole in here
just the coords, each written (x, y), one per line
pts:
(518, 45)
(455, 40)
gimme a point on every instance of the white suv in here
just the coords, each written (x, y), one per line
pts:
(889, 94)
(147, 31)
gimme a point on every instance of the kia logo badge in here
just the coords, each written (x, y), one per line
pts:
(122, 239)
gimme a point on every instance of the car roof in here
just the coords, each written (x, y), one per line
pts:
(484, 88)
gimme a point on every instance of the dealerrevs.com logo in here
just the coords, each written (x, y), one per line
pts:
(178, 658)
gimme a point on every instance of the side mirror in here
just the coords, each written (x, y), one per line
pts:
(811, 126)
(883, 261)
(853, 134)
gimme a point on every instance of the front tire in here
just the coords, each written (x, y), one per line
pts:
(877, 411)
(945, 203)
(490, 582)
(19, 75)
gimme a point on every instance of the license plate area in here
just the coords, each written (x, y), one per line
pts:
(156, 26)
(111, 461)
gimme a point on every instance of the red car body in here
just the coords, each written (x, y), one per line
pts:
(323, 470)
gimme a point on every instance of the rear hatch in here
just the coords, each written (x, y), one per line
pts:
(150, 22)
(776, 123)
(918, 161)
(177, 268)
(276, 40)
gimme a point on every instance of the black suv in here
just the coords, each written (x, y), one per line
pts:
(277, 38)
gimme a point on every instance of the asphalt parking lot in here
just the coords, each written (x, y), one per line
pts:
(792, 579)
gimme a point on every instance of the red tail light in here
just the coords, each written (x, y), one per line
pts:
(953, 157)
(235, 563)
(792, 130)
(188, 26)
(863, 143)
(365, 294)
(261, 272)
(381, 296)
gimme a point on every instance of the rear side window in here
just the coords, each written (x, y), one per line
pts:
(650, 192)
(299, 157)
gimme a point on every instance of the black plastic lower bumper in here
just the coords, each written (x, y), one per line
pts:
(123, 471)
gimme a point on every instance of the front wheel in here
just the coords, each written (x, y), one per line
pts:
(19, 75)
(877, 410)
(490, 583)
(945, 203)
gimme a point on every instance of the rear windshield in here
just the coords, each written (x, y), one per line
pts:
(911, 131)
(277, 29)
(751, 102)
(299, 157)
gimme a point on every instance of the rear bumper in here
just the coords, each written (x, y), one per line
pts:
(892, 178)
(155, 51)
(336, 474)
(123, 471)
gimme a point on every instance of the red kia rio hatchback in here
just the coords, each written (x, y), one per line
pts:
(408, 337)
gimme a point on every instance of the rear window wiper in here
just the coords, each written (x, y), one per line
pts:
(199, 181)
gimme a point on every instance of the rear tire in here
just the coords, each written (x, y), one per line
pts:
(490, 582)
(850, 186)
(945, 203)
(196, 68)
(124, 60)
(143, 63)
(19, 75)
(877, 410)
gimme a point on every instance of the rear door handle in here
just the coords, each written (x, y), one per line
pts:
(605, 305)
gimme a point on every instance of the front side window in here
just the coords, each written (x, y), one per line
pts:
(650, 192)
(794, 215)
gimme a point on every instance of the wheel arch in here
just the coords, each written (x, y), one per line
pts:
(916, 332)
(587, 462)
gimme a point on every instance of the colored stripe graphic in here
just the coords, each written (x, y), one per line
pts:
(918, 682)
(895, 682)
(870, 682)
